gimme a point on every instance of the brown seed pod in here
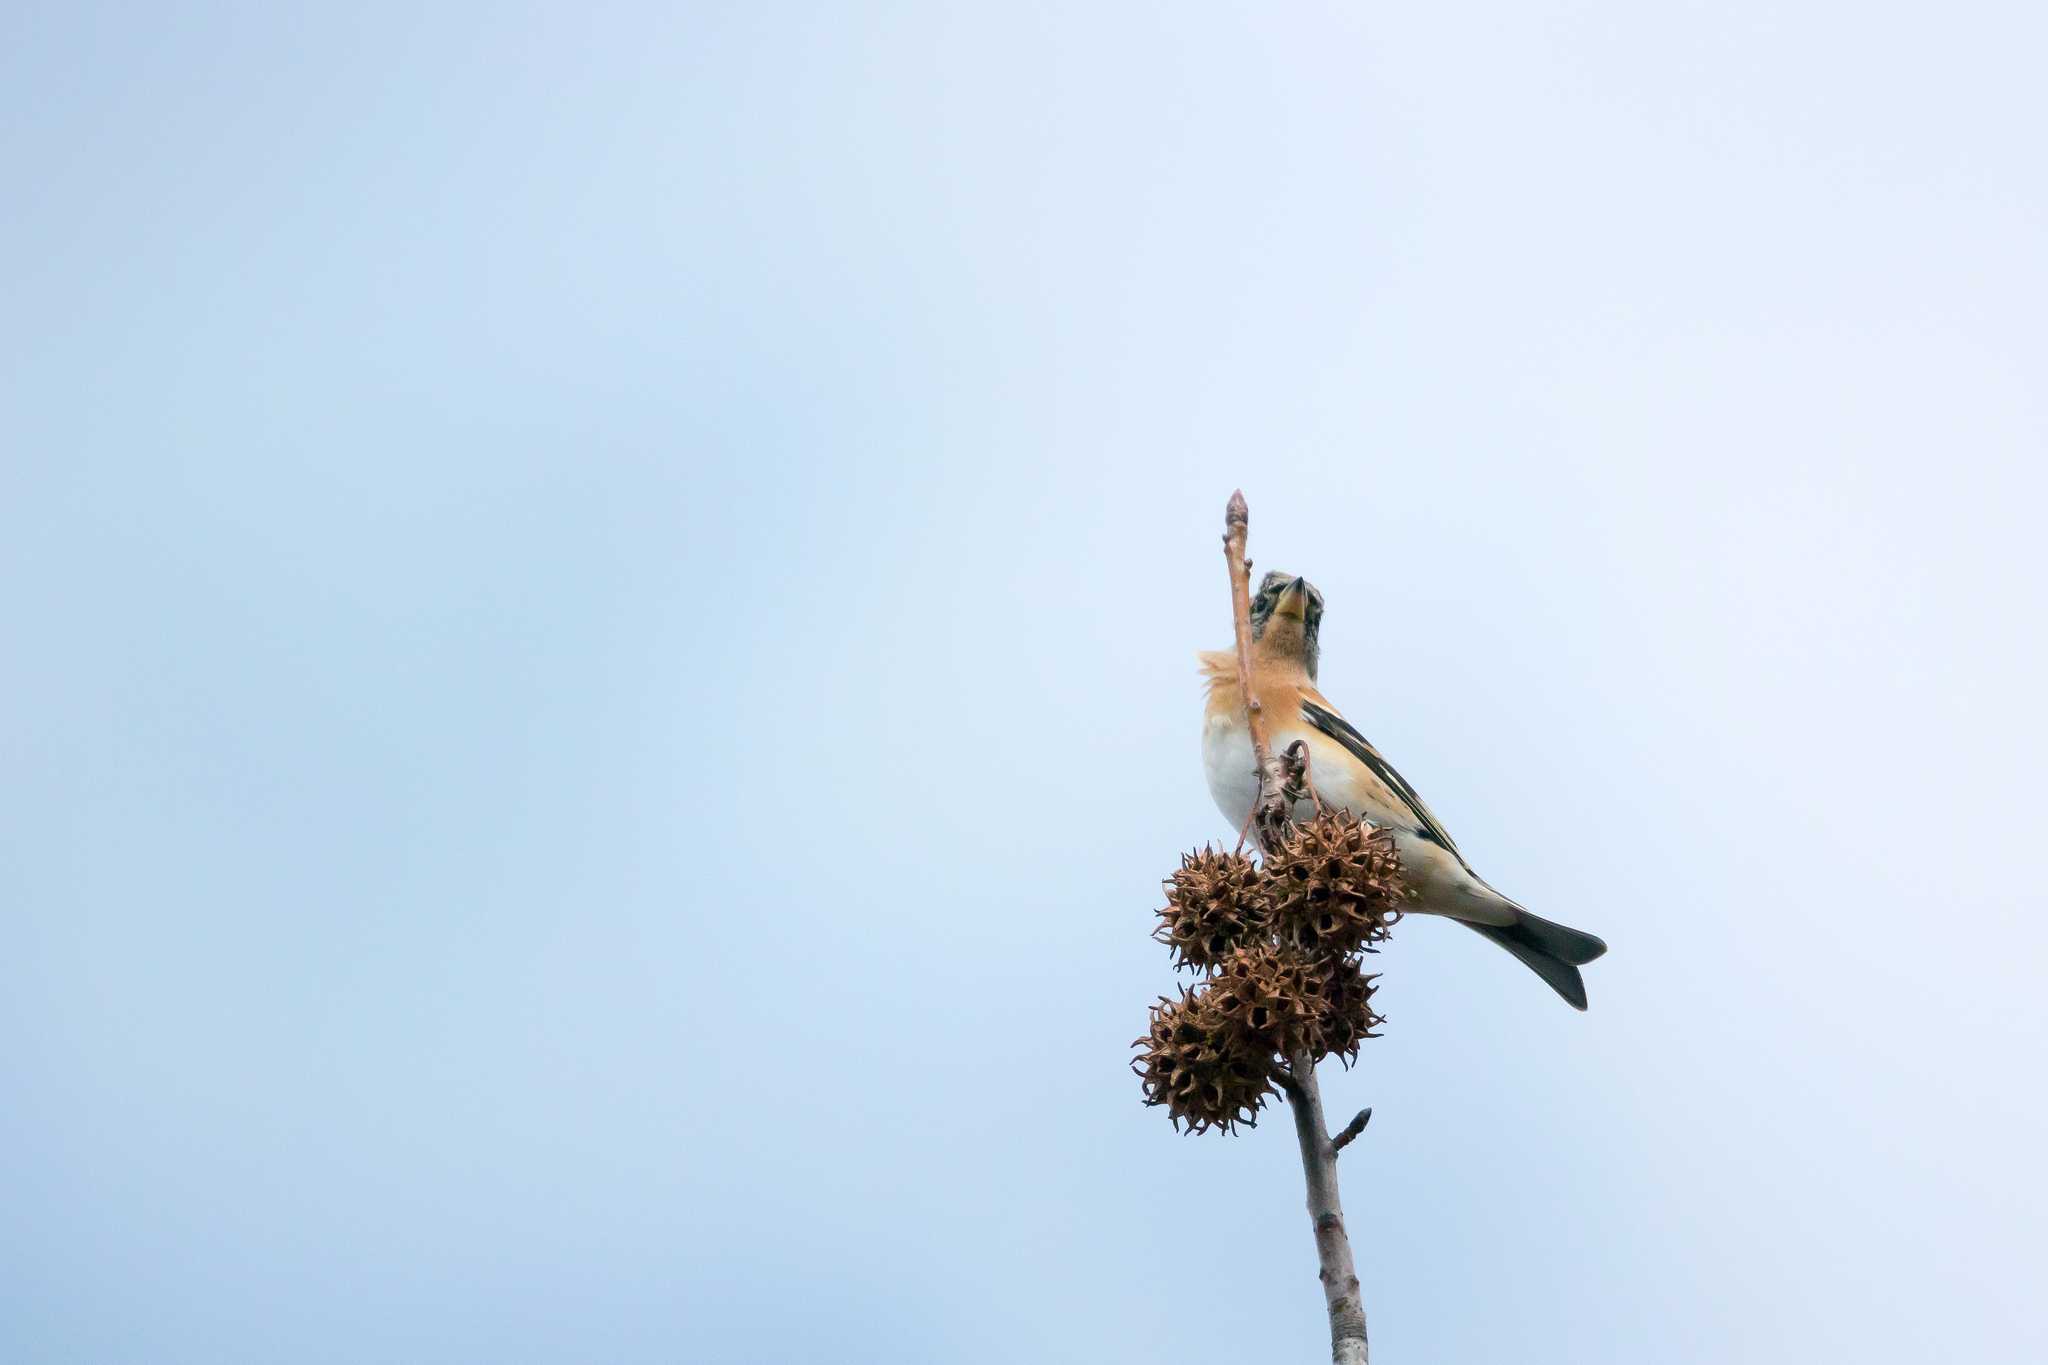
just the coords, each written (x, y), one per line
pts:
(1215, 903)
(1273, 995)
(1344, 1016)
(1333, 885)
(1197, 1063)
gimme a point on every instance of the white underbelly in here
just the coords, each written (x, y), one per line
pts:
(1233, 780)
(1339, 779)
(1441, 882)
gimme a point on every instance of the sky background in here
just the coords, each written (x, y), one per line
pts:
(596, 624)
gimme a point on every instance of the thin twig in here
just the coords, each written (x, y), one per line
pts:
(1269, 811)
(1351, 1130)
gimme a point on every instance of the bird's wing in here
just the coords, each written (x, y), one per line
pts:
(1340, 730)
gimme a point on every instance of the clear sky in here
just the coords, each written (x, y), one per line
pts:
(596, 624)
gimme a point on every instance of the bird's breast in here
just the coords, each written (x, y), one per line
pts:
(1227, 762)
(1339, 779)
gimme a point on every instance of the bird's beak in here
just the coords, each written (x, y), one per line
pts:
(1293, 600)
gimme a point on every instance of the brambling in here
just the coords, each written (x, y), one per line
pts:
(1347, 773)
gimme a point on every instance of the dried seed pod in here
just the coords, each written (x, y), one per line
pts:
(1344, 1016)
(1333, 885)
(1215, 903)
(1272, 994)
(1197, 1063)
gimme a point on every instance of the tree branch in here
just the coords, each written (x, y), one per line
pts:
(1280, 784)
(1326, 1216)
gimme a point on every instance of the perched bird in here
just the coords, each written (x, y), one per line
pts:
(1348, 773)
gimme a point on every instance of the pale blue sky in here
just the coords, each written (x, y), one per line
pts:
(596, 612)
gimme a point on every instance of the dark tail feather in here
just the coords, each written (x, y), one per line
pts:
(1552, 951)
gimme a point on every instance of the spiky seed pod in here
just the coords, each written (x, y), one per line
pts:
(1344, 1016)
(1214, 903)
(1333, 885)
(1272, 994)
(1196, 1062)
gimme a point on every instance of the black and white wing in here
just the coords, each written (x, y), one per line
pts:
(1344, 733)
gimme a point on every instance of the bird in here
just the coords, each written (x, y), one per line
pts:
(1346, 772)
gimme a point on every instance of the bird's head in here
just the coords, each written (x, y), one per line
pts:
(1286, 613)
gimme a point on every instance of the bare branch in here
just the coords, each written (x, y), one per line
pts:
(1281, 783)
(1326, 1215)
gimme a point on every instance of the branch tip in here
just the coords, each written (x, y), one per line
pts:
(1351, 1130)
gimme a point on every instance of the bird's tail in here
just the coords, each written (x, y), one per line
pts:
(1553, 951)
